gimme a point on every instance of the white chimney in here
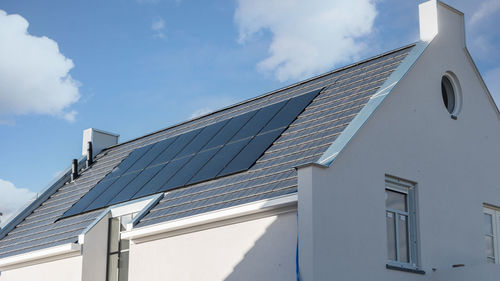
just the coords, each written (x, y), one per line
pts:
(428, 19)
(438, 19)
(99, 139)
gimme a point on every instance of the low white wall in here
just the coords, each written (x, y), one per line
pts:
(67, 269)
(259, 249)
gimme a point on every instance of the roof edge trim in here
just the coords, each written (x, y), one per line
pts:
(482, 82)
(350, 131)
(39, 198)
(44, 255)
(212, 217)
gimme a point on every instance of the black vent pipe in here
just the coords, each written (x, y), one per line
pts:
(89, 154)
(74, 170)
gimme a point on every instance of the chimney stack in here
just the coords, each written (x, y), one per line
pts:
(99, 140)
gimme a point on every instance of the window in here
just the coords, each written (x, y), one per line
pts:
(451, 93)
(448, 94)
(400, 218)
(491, 230)
(117, 267)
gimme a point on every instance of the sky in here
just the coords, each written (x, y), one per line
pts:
(136, 66)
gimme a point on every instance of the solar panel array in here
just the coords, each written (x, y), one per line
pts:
(214, 151)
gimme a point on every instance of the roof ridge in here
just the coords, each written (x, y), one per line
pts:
(265, 94)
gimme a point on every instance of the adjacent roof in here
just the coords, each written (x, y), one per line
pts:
(344, 93)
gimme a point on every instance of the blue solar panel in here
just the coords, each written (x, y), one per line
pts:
(128, 162)
(179, 143)
(259, 120)
(165, 174)
(112, 191)
(251, 152)
(232, 127)
(219, 161)
(201, 139)
(217, 150)
(133, 187)
(190, 169)
(155, 150)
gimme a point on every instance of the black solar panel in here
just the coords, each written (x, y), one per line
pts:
(217, 150)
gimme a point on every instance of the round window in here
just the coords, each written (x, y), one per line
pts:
(448, 92)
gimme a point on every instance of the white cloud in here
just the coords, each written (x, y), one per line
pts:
(158, 26)
(12, 199)
(493, 83)
(34, 75)
(308, 37)
(487, 8)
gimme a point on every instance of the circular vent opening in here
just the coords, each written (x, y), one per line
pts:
(448, 92)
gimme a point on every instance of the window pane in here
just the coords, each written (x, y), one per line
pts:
(488, 240)
(123, 271)
(113, 267)
(488, 225)
(114, 235)
(391, 236)
(403, 238)
(395, 200)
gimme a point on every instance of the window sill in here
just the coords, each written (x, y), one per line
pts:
(405, 269)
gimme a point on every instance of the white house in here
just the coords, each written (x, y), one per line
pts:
(386, 169)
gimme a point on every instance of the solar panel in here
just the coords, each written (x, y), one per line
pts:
(217, 150)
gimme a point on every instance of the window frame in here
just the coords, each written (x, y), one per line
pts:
(406, 187)
(117, 235)
(495, 215)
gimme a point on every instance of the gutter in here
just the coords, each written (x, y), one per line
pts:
(48, 254)
(213, 217)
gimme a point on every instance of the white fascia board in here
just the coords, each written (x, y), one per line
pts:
(53, 252)
(350, 131)
(215, 216)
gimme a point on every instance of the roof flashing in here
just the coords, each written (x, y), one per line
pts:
(350, 131)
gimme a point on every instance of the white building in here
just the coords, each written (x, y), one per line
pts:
(382, 170)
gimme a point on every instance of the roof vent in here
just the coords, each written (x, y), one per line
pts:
(74, 169)
(99, 140)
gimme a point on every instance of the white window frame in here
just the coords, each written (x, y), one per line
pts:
(495, 214)
(408, 188)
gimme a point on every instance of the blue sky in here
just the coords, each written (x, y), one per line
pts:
(136, 66)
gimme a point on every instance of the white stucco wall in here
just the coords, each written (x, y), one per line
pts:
(411, 135)
(258, 249)
(67, 269)
(94, 251)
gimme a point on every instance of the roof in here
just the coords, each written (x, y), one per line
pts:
(344, 93)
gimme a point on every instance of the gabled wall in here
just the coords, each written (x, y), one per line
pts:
(342, 224)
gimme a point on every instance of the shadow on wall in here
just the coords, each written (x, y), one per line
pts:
(273, 255)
